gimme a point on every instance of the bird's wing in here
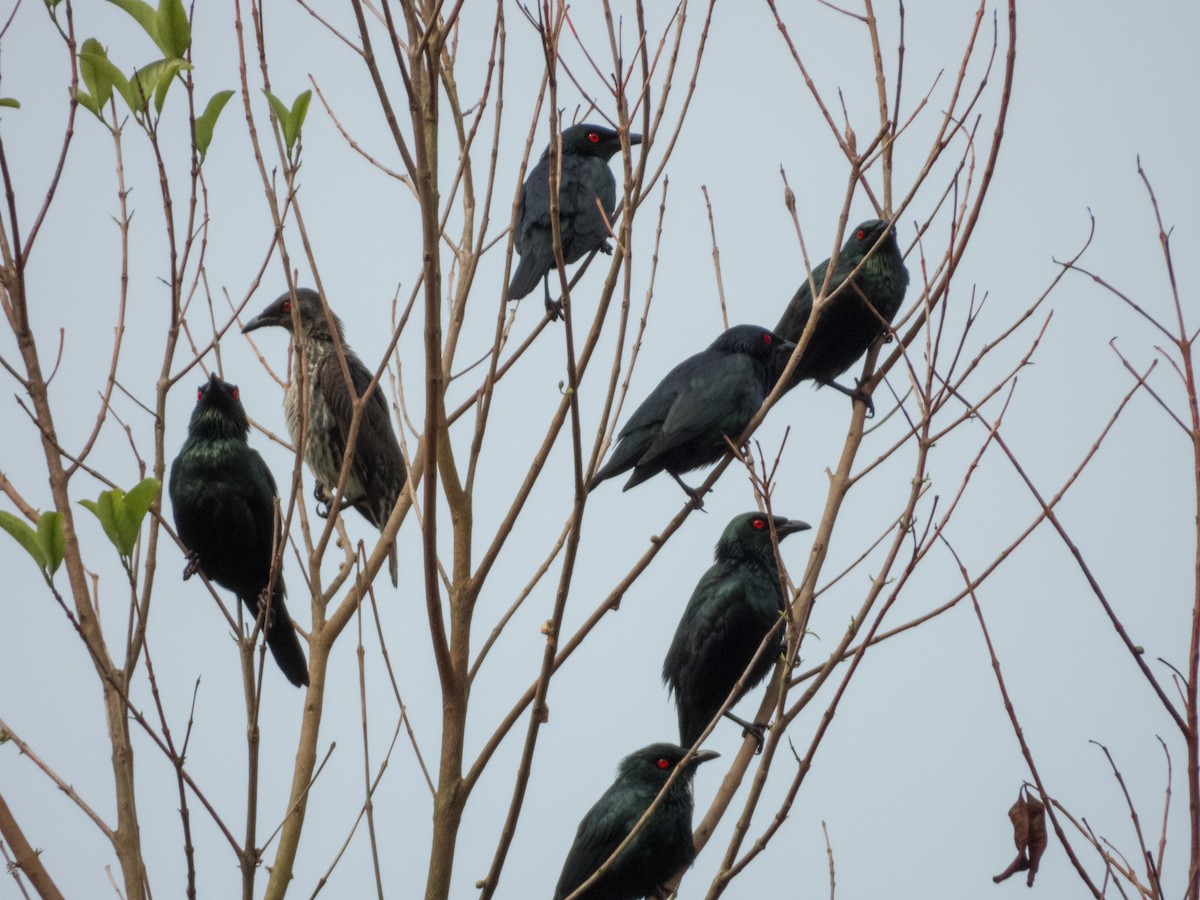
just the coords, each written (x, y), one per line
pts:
(795, 317)
(583, 227)
(260, 502)
(716, 390)
(378, 465)
(598, 835)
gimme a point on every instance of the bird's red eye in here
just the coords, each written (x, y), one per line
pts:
(199, 393)
(593, 137)
(663, 763)
(766, 338)
(861, 233)
(287, 305)
(759, 524)
(235, 393)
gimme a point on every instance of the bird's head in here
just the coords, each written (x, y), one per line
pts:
(749, 535)
(654, 764)
(753, 340)
(312, 316)
(594, 140)
(219, 411)
(865, 235)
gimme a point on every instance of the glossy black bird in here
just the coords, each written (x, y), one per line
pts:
(735, 604)
(683, 424)
(662, 847)
(223, 497)
(377, 474)
(853, 319)
(585, 176)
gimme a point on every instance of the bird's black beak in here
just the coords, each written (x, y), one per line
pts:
(785, 346)
(791, 526)
(704, 756)
(634, 139)
(258, 321)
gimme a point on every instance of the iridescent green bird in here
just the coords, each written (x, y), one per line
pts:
(223, 498)
(856, 317)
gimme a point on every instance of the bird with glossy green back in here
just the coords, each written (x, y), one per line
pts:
(708, 397)
(377, 473)
(662, 846)
(734, 606)
(223, 499)
(853, 318)
(584, 178)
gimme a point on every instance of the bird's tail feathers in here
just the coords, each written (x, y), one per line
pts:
(526, 278)
(394, 564)
(283, 642)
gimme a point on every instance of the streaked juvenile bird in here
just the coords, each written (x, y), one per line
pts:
(223, 497)
(377, 474)
(662, 847)
(585, 177)
(683, 424)
(852, 320)
(735, 605)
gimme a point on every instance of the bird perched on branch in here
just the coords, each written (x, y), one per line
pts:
(735, 605)
(585, 178)
(377, 474)
(684, 422)
(662, 846)
(856, 316)
(223, 497)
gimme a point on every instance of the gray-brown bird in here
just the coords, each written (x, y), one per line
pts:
(377, 474)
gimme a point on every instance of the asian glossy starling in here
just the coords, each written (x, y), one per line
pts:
(662, 847)
(223, 498)
(735, 604)
(683, 424)
(853, 319)
(585, 178)
(377, 474)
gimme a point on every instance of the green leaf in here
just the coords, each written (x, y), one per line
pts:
(282, 113)
(25, 536)
(137, 503)
(50, 537)
(173, 29)
(50, 4)
(9, 101)
(95, 74)
(104, 509)
(87, 101)
(105, 76)
(291, 120)
(152, 81)
(299, 111)
(143, 14)
(207, 120)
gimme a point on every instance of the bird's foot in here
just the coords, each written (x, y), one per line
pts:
(758, 731)
(856, 393)
(554, 309)
(193, 565)
(696, 494)
(606, 248)
(323, 498)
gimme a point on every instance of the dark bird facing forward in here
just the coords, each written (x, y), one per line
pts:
(585, 177)
(683, 424)
(662, 847)
(853, 319)
(223, 497)
(735, 605)
(377, 474)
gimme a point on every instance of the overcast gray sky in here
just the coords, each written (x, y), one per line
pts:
(920, 765)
